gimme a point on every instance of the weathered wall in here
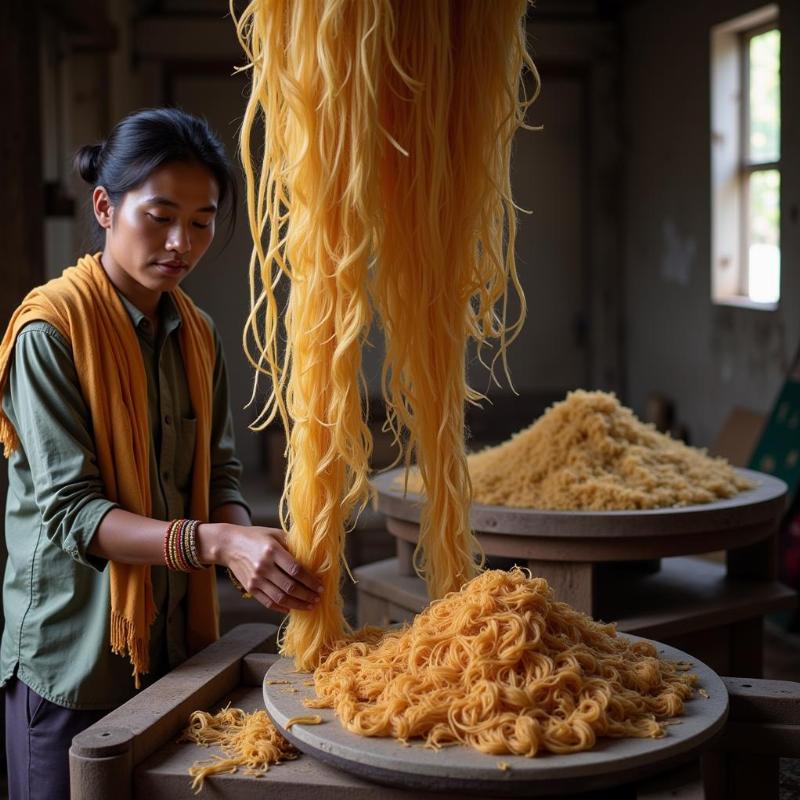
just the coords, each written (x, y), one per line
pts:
(194, 57)
(708, 358)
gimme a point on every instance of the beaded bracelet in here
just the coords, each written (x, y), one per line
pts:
(180, 550)
(180, 546)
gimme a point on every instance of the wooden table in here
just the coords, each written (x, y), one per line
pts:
(133, 752)
(576, 552)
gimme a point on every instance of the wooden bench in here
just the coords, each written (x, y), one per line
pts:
(133, 752)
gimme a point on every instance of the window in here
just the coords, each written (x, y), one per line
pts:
(745, 158)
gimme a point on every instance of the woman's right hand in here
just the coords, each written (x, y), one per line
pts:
(260, 560)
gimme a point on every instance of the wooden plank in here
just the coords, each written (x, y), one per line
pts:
(102, 758)
(575, 547)
(686, 595)
(255, 666)
(164, 775)
(150, 718)
(689, 594)
(382, 580)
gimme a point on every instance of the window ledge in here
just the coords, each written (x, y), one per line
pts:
(739, 301)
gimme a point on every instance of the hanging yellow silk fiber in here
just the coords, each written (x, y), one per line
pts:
(443, 267)
(376, 144)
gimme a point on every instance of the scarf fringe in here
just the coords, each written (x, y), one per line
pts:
(8, 436)
(124, 641)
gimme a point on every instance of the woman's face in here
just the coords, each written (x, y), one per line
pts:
(160, 230)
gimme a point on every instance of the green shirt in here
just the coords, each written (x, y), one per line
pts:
(55, 594)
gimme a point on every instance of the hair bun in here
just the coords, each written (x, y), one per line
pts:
(87, 162)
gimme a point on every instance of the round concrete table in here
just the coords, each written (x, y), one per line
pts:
(566, 546)
(612, 762)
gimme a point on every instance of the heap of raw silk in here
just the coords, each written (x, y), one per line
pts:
(502, 667)
(374, 182)
(249, 741)
(589, 452)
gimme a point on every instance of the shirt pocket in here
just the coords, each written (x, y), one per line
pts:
(184, 454)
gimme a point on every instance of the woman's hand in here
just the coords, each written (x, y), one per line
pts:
(258, 557)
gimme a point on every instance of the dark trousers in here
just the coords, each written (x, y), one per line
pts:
(38, 737)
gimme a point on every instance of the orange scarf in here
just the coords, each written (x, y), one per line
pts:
(84, 307)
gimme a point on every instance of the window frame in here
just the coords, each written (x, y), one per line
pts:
(731, 166)
(747, 166)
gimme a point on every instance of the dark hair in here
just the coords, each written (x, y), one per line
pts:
(146, 140)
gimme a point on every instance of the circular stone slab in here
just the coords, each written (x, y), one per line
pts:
(462, 769)
(762, 504)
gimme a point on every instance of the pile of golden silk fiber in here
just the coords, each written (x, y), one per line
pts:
(500, 666)
(590, 453)
(503, 667)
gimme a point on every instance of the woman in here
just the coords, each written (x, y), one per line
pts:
(123, 483)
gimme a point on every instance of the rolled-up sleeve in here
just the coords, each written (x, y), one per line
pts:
(226, 469)
(54, 428)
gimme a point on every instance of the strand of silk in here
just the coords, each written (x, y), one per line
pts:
(448, 241)
(426, 340)
(328, 241)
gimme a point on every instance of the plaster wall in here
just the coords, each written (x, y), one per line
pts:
(567, 248)
(707, 358)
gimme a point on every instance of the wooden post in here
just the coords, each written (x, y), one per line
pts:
(759, 560)
(104, 758)
(405, 556)
(571, 581)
